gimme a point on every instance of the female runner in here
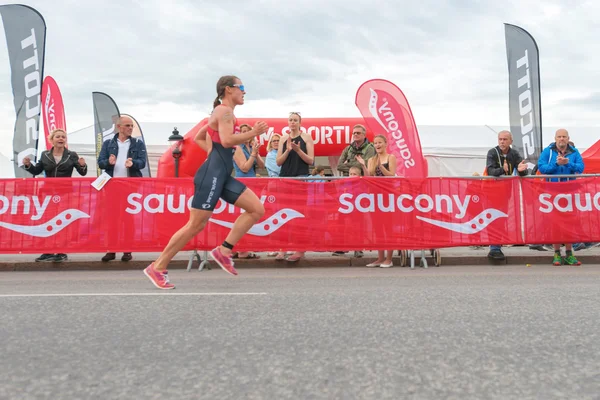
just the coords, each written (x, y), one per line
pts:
(213, 181)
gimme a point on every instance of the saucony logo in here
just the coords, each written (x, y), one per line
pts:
(477, 224)
(50, 228)
(268, 226)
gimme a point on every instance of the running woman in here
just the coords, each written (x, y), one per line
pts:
(213, 181)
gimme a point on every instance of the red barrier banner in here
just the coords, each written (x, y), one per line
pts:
(561, 212)
(140, 215)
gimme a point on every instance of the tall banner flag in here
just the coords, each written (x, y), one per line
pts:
(106, 114)
(25, 31)
(524, 100)
(137, 133)
(53, 110)
(386, 111)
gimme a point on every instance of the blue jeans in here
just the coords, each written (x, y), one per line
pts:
(494, 247)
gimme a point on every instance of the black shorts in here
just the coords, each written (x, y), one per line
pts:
(214, 181)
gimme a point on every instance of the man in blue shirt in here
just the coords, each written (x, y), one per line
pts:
(560, 158)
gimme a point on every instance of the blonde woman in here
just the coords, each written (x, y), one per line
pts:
(271, 165)
(382, 164)
(271, 160)
(58, 162)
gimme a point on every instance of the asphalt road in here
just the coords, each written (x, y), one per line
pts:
(507, 332)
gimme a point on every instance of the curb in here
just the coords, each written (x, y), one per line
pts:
(315, 262)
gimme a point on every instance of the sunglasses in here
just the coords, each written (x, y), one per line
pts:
(357, 133)
(237, 85)
(295, 112)
(128, 125)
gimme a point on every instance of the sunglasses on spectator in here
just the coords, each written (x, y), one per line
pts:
(295, 112)
(358, 133)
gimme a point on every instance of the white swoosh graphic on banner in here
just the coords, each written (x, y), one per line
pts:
(50, 228)
(486, 216)
(268, 226)
(373, 109)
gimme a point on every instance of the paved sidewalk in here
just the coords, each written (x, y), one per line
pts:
(450, 256)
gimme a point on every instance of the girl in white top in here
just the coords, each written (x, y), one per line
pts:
(383, 164)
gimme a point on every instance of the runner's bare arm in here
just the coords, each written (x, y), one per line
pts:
(206, 144)
(200, 137)
(203, 140)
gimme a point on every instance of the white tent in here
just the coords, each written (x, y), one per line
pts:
(449, 150)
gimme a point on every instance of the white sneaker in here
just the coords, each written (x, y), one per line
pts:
(386, 265)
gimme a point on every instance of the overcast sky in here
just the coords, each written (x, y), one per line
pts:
(160, 59)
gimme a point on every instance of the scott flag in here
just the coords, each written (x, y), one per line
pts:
(53, 110)
(25, 31)
(524, 93)
(386, 111)
(106, 114)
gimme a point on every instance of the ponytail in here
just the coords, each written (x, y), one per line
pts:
(216, 102)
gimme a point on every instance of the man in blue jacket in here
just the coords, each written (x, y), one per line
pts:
(560, 158)
(121, 157)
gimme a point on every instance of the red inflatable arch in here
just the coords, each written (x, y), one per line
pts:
(331, 136)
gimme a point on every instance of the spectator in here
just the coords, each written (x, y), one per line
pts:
(121, 157)
(319, 174)
(245, 161)
(360, 146)
(58, 162)
(294, 156)
(503, 160)
(246, 157)
(354, 172)
(271, 160)
(382, 164)
(272, 168)
(560, 158)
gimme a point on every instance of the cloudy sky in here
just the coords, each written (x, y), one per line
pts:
(160, 59)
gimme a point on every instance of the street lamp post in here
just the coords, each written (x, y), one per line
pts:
(176, 153)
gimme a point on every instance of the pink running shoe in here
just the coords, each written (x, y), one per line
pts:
(159, 279)
(224, 262)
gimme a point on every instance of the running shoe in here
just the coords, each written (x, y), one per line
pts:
(159, 279)
(224, 262)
